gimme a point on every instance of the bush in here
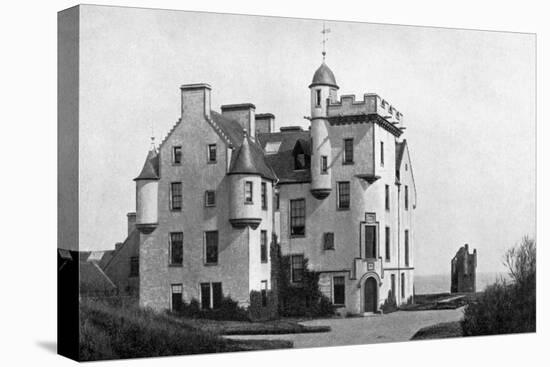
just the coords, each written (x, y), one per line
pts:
(507, 307)
(390, 305)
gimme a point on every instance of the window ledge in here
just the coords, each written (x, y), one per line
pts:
(210, 264)
(297, 236)
(343, 209)
(348, 163)
(175, 265)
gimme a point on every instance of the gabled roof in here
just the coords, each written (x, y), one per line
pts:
(249, 158)
(150, 170)
(282, 162)
(131, 240)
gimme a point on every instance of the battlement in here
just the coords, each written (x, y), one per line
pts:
(371, 103)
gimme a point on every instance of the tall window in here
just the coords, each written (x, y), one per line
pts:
(393, 285)
(264, 196)
(210, 198)
(211, 295)
(370, 242)
(277, 201)
(176, 248)
(388, 244)
(328, 241)
(297, 268)
(212, 153)
(263, 246)
(177, 298)
(176, 155)
(406, 247)
(348, 151)
(134, 266)
(402, 285)
(317, 98)
(343, 195)
(406, 197)
(298, 217)
(382, 153)
(324, 164)
(387, 197)
(175, 195)
(211, 247)
(263, 291)
(339, 290)
(248, 192)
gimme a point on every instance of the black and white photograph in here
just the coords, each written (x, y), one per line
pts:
(291, 185)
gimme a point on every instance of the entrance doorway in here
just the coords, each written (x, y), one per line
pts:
(371, 295)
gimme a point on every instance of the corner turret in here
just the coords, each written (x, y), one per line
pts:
(147, 194)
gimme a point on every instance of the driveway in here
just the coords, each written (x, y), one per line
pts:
(393, 327)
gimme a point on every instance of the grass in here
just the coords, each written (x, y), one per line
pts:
(112, 332)
(251, 328)
(439, 331)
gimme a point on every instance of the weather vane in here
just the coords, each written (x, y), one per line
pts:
(325, 31)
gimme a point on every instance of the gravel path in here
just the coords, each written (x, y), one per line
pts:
(394, 327)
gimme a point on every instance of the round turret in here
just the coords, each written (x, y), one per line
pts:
(247, 172)
(323, 90)
(147, 194)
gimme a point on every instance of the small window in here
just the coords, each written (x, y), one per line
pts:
(324, 164)
(211, 295)
(297, 268)
(175, 196)
(301, 161)
(176, 155)
(177, 297)
(382, 153)
(298, 217)
(263, 291)
(217, 295)
(264, 196)
(406, 197)
(212, 153)
(328, 241)
(210, 198)
(277, 201)
(211, 250)
(339, 290)
(205, 296)
(387, 197)
(248, 192)
(317, 98)
(406, 247)
(176, 248)
(134, 266)
(402, 285)
(272, 147)
(388, 244)
(343, 195)
(348, 151)
(263, 246)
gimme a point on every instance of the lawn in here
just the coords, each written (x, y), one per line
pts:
(439, 331)
(250, 328)
(112, 332)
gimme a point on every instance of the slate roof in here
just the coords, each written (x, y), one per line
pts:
(230, 127)
(249, 159)
(282, 162)
(150, 170)
(93, 279)
(324, 76)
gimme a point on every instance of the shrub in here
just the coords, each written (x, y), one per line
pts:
(228, 310)
(390, 305)
(507, 307)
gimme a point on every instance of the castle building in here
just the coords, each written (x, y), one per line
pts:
(463, 271)
(340, 194)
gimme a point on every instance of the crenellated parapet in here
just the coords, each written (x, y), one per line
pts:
(371, 104)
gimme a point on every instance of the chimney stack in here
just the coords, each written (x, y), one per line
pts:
(244, 114)
(131, 222)
(265, 123)
(195, 99)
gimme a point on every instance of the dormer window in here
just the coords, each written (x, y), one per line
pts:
(317, 98)
(302, 160)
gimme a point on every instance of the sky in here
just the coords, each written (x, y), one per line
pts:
(468, 100)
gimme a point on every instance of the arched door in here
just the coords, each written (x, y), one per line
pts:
(371, 295)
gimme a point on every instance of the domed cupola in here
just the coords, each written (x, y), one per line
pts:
(324, 76)
(246, 173)
(147, 194)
